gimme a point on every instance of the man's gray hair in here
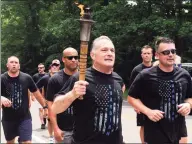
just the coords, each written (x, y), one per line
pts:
(97, 42)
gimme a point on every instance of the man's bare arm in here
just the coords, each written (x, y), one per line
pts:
(52, 116)
(154, 115)
(62, 102)
(39, 98)
(137, 104)
(58, 133)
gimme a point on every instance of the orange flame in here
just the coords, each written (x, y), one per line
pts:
(81, 8)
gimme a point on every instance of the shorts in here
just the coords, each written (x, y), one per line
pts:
(140, 119)
(183, 130)
(23, 129)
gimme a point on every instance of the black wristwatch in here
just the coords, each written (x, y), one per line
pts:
(45, 107)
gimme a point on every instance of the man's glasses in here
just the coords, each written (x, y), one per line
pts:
(71, 57)
(40, 67)
(167, 52)
(55, 64)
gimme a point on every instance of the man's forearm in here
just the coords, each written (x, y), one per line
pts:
(39, 98)
(137, 104)
(62, 102)
(52, 116)
(53, 119)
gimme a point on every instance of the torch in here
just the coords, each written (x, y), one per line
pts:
(85, 30)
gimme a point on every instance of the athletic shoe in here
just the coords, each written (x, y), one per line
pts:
(51, 140)
(42, 126)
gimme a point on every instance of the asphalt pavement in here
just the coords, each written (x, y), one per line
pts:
(130, 130)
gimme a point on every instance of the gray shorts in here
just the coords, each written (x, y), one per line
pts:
(67, 137)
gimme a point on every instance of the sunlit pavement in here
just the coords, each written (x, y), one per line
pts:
(130, 130)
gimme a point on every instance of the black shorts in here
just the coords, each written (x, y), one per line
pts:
(23, 129)
(140, 119)
(184, 129)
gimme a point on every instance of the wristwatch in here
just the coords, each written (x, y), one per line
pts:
(45, 107)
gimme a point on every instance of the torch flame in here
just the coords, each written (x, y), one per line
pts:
(81, 6)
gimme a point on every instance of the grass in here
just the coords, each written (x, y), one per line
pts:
(125, 94)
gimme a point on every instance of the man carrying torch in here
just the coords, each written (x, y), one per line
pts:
(97, 113)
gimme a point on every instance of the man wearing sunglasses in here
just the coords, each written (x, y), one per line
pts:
(98, 116)
(36, 78)
(62, 123)
(42, 84)
(162, 93)
(184, 128)
(41, 72)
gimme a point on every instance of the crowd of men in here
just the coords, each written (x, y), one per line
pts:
(161, 95)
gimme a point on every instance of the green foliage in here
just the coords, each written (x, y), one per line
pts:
(38, 31)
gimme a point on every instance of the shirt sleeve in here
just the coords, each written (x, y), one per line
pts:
(134, 73)
(34, 78)
(2, 86)
(50, 89)
(136, 87)
(32, 85)
(189, 88)
(40, 83)
(68, 86)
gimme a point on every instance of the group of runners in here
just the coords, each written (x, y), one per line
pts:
(160, 94)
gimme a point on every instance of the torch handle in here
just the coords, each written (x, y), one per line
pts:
(83, 61)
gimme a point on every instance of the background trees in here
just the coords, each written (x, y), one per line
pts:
(38, 30)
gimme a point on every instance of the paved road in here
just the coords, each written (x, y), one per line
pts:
(130, 131)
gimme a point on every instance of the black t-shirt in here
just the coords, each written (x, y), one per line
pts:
(16, 90)
(163, 91)
(136, 71)
(43, 82)
(65, 120)
(98, 115)
(38, 76)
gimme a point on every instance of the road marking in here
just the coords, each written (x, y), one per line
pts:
(37, 139)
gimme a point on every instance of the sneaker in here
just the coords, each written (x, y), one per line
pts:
(42, 126)
(51, 140)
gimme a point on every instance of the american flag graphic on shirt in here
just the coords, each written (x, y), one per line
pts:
(69, 111)
(171, 94)
(107, 117)
(14, 91)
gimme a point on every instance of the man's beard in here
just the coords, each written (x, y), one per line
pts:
(13, 70)
(72, 69)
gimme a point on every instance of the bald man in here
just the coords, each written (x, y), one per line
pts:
(62, 123)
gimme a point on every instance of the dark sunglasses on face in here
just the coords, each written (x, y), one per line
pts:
(71, 57)
(40, 67)
(54, 64)
(167, 52)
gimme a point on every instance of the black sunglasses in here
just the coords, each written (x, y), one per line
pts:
(167, 52)
(40, 67)
(71, 57)
(55, 64)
